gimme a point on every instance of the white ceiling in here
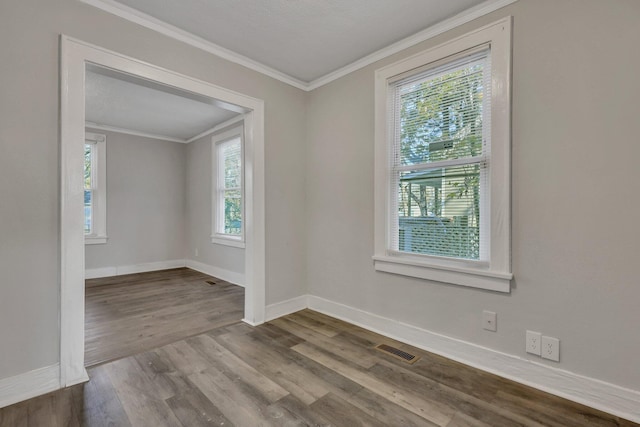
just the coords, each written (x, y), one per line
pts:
(304, 39)
(305, 43)
(119, 101)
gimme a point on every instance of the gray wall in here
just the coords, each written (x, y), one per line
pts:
(198, 212)
(145, 202)
(29, 162)
(575, 154)
(575, 208)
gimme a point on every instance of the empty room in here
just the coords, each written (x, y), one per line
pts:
(340, 212)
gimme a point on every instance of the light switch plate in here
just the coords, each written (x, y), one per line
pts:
(489, 321)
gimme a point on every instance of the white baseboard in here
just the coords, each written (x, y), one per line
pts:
(279, 309)
(83, 378)
(30, 384)
(95, 273)
(220, 273)
(597, 394)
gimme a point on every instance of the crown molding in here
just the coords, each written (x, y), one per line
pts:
(128, 131)
(217, 127)
(133, 15)
(148, 21)
(430, 32)
(133, 132)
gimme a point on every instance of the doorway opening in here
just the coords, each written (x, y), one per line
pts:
(76, 58)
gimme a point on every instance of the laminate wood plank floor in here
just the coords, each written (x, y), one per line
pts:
(305, 369)
(128, 314)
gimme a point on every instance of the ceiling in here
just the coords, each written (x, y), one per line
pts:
(305, 43)
(304, 40)
(117, 101)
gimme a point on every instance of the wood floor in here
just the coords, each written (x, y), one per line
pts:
(305, 369)
(128, 314)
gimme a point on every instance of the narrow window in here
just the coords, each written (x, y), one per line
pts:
(228, 171)
(95, 189)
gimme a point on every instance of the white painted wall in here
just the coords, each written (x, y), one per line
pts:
(198, 212)
(145, 202)
(575, 153)
(29, 164)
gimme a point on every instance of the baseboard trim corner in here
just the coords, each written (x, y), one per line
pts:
(226, 275)
(282, 308)
(81, 379)
(29, 384)
(591, 392)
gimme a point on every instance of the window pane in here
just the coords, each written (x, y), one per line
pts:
(88, 148)
(232, 212)
(88, 211)
(441, 114)
(439, 212)
(232, 156)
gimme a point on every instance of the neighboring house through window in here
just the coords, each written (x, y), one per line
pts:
(228, 185)
(443, 162)
(95, 189)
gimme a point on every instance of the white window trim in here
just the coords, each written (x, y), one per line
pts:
(99, 220)
(217, 215)
(496, 275)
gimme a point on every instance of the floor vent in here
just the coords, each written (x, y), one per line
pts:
(211, 282)
(396, 352)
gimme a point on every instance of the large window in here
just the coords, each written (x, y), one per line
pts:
(228, 198)
(95, 189)
(442, 162)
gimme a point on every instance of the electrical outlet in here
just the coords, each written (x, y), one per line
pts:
(196, 251)
(534, 342)
(489, 320)
(550, 348)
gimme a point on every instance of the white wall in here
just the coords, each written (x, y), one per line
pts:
(575, 210)
(29, 164)
(145, 202)
(198, 211)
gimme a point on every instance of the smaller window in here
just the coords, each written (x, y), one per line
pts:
(95, 189)
(228, 184)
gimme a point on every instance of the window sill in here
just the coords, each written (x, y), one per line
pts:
(227, 241)
(463, 276)
(95, 240)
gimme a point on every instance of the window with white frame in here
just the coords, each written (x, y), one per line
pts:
(443, 162)
(95, 189)
(228, 184)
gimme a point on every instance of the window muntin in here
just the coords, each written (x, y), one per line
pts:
(439, 161)
(228, 206)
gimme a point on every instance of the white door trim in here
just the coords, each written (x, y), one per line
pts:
(75, 54)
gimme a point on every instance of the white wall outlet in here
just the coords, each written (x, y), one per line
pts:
(196, 251)
(550, 348)
(534, 342)
(489, 321)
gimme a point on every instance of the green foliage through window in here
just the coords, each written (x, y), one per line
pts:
(440, 115)
(231, 196)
